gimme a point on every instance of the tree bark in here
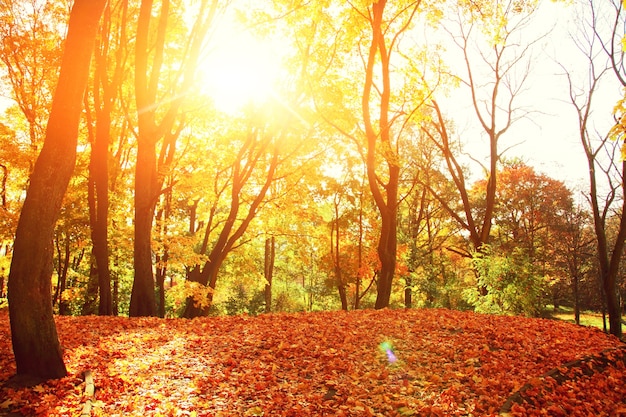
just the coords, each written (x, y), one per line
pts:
(34, 336)
(149, 61)
(63, 265)
(270, 255)
(163, 217)
(386, 199)
(143, 299)
(336, 256)
(105, 93)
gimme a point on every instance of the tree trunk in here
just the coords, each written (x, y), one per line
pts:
(161, 272)
(34, 336)
(99, 213)
(143, 299)
(91, 297)
(116, 291)
(387, 256)
(335, 252)
(162, 258)
(357, 286)
(576, 300)
(385, 195)
(63, 265)
(612, 306)
(270, 254)
(105, 91)
(388, 242)
(609, 258)
(408, 292)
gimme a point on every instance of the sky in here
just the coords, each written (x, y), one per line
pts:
(550, 142)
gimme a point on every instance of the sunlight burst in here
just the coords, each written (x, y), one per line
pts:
(239, 70)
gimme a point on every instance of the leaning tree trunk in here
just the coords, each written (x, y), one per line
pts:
(34, 336)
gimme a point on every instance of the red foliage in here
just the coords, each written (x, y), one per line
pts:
(449, 363)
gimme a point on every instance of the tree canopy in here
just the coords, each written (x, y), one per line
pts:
(298, 156)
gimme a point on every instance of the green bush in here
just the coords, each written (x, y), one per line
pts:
(511, 284)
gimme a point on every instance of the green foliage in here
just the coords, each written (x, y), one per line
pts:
(437, 286)
(511, 284)
(76, 293)
(240, 302)
(285, 303)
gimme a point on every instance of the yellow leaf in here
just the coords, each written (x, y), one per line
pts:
(254, 411)
(7, 403)
(39, 389)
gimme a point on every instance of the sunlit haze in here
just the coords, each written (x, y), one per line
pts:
(240, 69)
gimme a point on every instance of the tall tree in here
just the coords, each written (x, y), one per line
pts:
(35, 341)
(385, 193)
(150, 65)
(495, 28)
(590, 42)
(107, 80)
(244, 183)
(268, 271)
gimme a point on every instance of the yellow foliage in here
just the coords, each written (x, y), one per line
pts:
(618, 131)
(198, 293)
(72, 294)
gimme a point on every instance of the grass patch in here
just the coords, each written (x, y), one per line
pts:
(587, 318)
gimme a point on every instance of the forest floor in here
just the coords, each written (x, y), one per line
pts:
(429, 362)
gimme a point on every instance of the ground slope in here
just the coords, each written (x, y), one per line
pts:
(429, 362)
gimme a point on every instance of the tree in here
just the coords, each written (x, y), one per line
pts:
(528, 219)
(492, 96)
(245, 184)
(35, 341)
(112, 41)
(531, 208)
(343, 203)
(426, 228)
(14, 171)
(596, 146)
(348, 74)
(149, 170)
(29, 51)
(379, 139)
(575, 253)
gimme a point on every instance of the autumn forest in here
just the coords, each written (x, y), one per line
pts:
(204, 158)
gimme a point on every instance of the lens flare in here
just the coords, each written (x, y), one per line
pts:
(387, 347)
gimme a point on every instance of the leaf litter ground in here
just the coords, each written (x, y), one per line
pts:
(425, 362)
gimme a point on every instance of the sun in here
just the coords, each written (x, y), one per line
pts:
(239, 70)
